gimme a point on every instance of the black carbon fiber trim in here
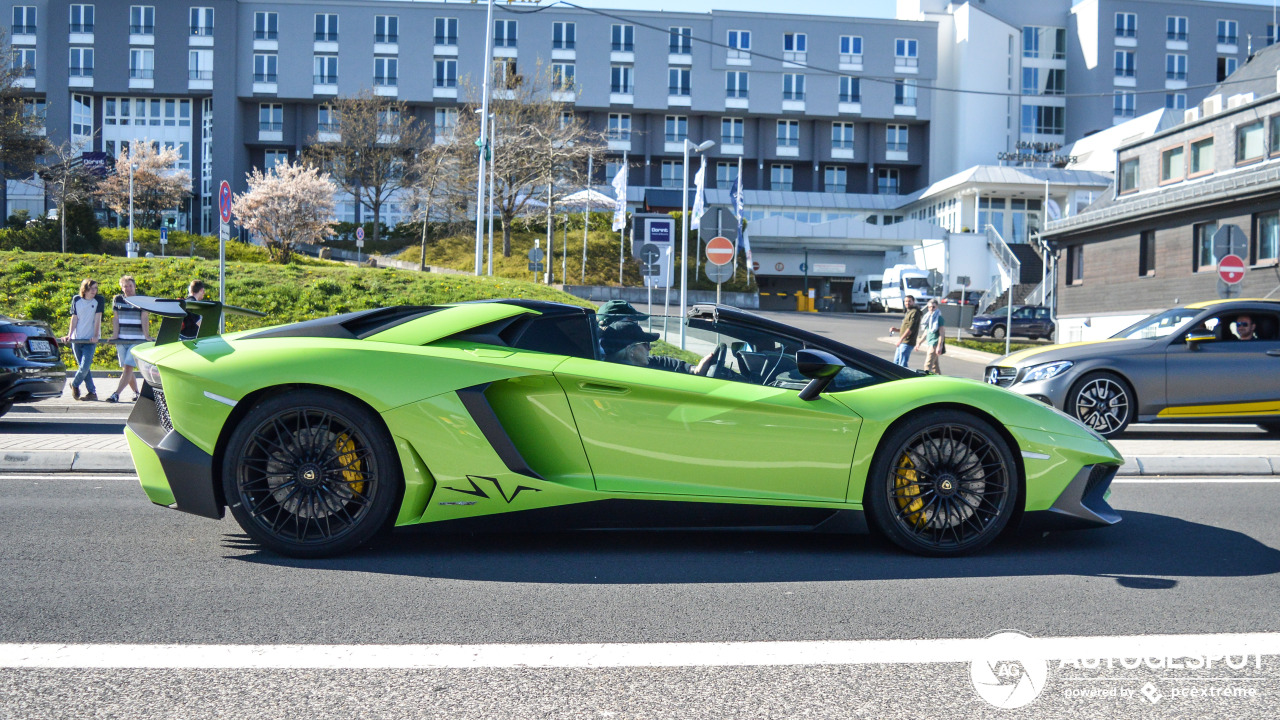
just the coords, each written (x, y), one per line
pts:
(481, 412)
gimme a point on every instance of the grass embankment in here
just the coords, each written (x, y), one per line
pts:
(40, 286)
(458, 252)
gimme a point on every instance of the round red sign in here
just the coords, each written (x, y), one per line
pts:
(719, 251)
(1231, 269)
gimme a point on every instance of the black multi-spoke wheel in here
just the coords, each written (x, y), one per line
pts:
(1102, 401)
(310, 474)
(942, 484)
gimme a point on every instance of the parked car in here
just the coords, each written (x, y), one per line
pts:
(1031, 321)
(508, 413)
(1187, 364)
(874, 303)
(30, 366)
(962, 297)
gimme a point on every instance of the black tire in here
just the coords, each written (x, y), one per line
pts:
(5, 407)
(942, 484)
(1103, 401)
(997, 332)
(311, 474)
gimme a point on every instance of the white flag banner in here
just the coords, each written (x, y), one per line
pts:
(620, 192)
(1055, 212)
(699, 195)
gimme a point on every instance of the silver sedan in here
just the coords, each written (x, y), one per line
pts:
(1215, 361)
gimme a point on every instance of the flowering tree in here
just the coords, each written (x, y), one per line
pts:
(290, 203)
(157, 184)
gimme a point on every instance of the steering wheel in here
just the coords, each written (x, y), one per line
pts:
(712, 369)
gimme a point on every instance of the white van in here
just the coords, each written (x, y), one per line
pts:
(874, 304)
(860, 297)
(902, 280)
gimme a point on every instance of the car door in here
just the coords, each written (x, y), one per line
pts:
(649, 430)
(1022, 322)
(1226, 377)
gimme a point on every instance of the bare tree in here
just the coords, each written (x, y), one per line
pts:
(436, 188)
(538, 142)
(21, 139)
(378, 141)
(157, 185)
(67, 180)
(289, 204)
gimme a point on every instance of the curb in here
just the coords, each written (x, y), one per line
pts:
(956, 351)
(119, 461)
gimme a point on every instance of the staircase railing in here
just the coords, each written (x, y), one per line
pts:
(1012, 268)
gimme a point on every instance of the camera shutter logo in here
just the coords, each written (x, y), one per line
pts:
(1007, 673)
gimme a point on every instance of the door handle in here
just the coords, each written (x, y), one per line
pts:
(594, 387)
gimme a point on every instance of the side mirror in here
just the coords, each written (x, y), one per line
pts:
(1195, 338)
(820, 367)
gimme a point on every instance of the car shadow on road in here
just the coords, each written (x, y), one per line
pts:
(1142, 547)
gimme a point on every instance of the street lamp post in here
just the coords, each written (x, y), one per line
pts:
(484, 137)
(684, 228)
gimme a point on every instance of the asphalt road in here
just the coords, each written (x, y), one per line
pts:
(88, 560)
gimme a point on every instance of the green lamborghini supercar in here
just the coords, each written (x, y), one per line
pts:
(521, 414)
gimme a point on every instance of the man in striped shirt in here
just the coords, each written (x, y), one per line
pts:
(131, 326)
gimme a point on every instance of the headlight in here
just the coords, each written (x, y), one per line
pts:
(149, 372)
(981, 321)
(1046, 371)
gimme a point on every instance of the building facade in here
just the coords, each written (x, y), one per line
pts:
(810, 104)
(1149, 242)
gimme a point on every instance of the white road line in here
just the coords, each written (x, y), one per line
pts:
(859, 652)
(1229, 480)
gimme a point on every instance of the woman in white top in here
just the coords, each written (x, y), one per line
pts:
(85, 330)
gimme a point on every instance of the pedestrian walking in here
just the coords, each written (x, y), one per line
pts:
(130, 326)
(934, 339)
(83, 335)
(191, 323)
(907, 332)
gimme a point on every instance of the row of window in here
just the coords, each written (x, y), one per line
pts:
(732, 132)
(781, 177)
(1264, 248)
(1175, 66)
(142, 20)
(1176, 28)
(1195, 157)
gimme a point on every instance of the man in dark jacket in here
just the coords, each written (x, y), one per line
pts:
(908, 332)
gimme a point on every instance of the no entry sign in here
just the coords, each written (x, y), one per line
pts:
(1231, 269)
(720, 251)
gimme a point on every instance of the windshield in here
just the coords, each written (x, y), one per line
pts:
(917, 283)
(1158, 325)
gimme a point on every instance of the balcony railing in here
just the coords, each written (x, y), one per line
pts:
(904, 101)
(142, 73)
(896, 146)
(730, 139)
(326, 37)
(446, 82)
(1176, 35)
(680, 49)
(1175, 74)
(80, 72)
(676, 137)
(142, 29)
(836, 187)
(199, 74)
(849, 98)
(732, 93)
(202, 30)
(264, 77)
(385, 81)
(82, 27)
(265, 35)
(619, 135)
(24, 30)
(784, 141)
(620, 89)
(1228, 39)
(1124, 72)
(906, 61)
(679, 90)
(326, 79)
(624, 47)
(446, 39)
(792, 94)
(504, 42)
(780, 186)
(28, 71)
(265, 126)
(327, 127)
(1126, 32)
(386, 38)
(842, 143)
(563, 44)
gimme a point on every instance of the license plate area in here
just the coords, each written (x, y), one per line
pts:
(40, 347)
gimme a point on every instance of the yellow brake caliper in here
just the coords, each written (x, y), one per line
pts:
(346, 448)
(905, 480)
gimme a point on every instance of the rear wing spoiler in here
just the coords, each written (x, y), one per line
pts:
(173, 312)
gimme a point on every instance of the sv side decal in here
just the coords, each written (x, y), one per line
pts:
(479, 492)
